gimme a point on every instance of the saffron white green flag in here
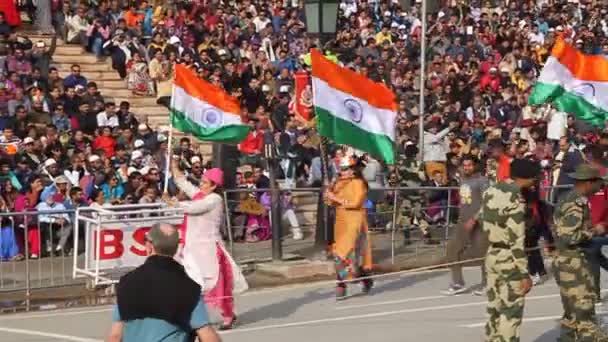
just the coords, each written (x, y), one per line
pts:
(353, 110)
(574, 83)
(204, 110)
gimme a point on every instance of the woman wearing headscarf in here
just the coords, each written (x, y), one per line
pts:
(352, 251)
(205, 258)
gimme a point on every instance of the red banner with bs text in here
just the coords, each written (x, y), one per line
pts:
(302, 102)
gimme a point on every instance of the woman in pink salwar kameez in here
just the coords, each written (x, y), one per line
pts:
(205, 258)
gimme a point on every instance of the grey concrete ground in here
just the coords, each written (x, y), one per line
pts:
(404, 308)
(57, 271)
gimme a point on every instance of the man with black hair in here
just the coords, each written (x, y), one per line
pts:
(108, 117)
(503, 219)
(148, 308)
(467, 232)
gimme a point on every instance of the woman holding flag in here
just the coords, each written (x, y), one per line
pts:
(204, 256)
(352, 250)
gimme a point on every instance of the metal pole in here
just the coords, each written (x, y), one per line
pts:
(28, 285)
(422, 82)
(275, 200)
(169, 159)
(228, 225)
(447, 222)
(394, 227)
(322, 233)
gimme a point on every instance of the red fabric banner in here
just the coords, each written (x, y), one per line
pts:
(302, 102)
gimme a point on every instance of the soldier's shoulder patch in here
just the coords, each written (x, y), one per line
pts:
(581, 201)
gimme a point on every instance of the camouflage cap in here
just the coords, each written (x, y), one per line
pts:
(585, 172)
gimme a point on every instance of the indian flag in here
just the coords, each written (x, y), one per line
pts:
(575, 83)
(353, 110)
(204, 110)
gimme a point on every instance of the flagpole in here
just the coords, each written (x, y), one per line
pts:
(422, 82)
(169, 157)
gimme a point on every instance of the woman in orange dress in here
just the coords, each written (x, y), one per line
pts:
(352, 250)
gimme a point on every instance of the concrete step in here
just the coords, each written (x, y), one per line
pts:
(83, 59)
(137, 102)
(157, 111)
(85, 67)
(114, 93)
(95, 76)
(69, 49)
(116, 84)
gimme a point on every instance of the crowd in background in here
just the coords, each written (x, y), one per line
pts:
(65, 144)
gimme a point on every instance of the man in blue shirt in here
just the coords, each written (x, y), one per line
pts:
(158, 302)
(75, 78)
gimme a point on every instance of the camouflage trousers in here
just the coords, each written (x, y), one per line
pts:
(411, 215)
(573, 276)
(505, 298)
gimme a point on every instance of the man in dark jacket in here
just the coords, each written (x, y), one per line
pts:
(148, 305)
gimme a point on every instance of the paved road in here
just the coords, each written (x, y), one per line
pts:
(406, 308)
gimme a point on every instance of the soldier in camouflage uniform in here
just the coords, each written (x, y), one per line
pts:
(411, 174)
(570, 265)
(502, 217)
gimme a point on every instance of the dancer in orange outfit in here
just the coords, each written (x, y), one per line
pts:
(352, 250)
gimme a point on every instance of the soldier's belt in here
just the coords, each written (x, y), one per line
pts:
(500, 245)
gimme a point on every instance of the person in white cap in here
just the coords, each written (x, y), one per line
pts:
(50, 169)
(33, 157)
(145, 134)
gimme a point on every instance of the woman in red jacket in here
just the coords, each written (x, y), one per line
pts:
(11, 14)
(105, 142)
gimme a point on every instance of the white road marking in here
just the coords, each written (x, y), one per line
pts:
(526, 320)
(322, 285)
(49, 335)
(390, 302)
(56, 313)
(371, 315)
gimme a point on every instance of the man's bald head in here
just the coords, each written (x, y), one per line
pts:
(164, 238)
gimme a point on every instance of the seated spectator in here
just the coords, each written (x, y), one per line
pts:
(77, 27)
(19, 64)
(55, 228)
(13, 19)
(9, 250)
(251, 148)
(113, 190)
(138, 79)
(97, 34)
(19, 99)
(105, 141)
(120, 48)
(108, 117)
(28, 223)
(75, 78)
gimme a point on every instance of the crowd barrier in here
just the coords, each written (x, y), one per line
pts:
(120, 231)
(114, 238)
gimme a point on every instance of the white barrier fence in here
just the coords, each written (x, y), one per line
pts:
(115, 237)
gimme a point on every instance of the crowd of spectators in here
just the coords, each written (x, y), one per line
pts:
(482, 61)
